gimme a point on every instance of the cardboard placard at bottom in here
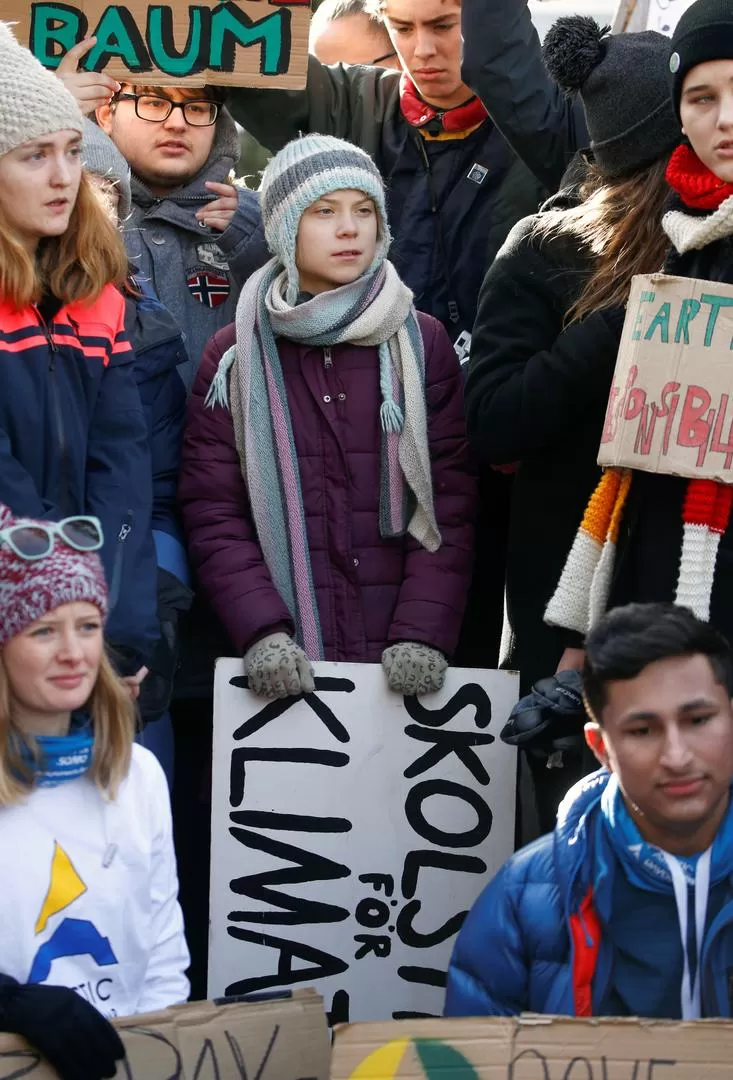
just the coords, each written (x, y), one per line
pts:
(534, 1048)
(268, 1040)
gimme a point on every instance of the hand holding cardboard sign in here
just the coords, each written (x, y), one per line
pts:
(90, 88)
(219, 212)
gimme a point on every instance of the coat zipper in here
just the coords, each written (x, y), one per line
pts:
(64, 494)
(116, 582)
(327, 358)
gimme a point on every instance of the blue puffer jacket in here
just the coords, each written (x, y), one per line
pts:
(533, 942)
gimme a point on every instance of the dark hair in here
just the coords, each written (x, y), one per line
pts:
(217, 94)
(627, 639)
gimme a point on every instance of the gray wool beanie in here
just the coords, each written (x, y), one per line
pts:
(33, 102)
(622, 80)
(304, 171)
(102, 158)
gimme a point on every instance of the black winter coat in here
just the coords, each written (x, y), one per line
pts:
(650, 541)
(535, 399)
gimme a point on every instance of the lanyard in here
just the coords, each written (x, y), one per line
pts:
(690, 993)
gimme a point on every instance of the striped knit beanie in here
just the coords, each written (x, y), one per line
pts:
(33, 102)
(304, 171)
(30, 589)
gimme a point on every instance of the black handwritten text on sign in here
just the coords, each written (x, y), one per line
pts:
(351, 832)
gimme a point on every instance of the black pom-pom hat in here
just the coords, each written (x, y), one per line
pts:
(622, 81)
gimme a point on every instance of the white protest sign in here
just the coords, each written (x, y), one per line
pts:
(351, 831)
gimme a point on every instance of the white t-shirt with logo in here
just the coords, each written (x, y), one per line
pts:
(89, 892)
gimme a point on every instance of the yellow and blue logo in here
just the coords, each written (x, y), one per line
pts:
(72, 937)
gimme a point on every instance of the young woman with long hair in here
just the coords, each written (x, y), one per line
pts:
(73, 438)
(549, 323)
(89, 916)
(676, 538)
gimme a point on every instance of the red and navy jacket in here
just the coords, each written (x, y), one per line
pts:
(73, 440)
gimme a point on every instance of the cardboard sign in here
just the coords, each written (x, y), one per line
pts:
(235, 43)
(534, 1048)
(671, 404)
(270, 1040)
(351, 831)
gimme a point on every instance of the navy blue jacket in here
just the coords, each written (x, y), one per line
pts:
(73, 440)
(160, 356)
(533, 941)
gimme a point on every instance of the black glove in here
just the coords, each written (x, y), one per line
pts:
(550, 719)
(76, 1039)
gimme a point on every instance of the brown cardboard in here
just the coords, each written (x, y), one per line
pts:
(671, 404)
(270, 1040)
(534, 1048)
(260, 43)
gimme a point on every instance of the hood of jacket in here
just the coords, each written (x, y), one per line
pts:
(224, 155)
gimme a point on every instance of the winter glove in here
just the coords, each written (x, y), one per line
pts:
(76, 1039)
(276, 667)
(551, 718)
(412, 668)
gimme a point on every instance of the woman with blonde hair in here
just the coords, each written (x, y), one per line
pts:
(89, 916)
(549, 324)
(73, 438)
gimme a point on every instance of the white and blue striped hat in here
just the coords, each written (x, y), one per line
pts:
(304, 171)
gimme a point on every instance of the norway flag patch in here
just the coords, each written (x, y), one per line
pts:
(209, 287)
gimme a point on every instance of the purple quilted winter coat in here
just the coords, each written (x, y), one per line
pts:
(371, 592)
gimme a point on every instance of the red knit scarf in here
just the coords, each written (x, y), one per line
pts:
(418, 113)
(697, 186)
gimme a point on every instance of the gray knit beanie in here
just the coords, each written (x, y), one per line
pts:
(102, 158)
(33, 102)
(622, 81)
(304, 171)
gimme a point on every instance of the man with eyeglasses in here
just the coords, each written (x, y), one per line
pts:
(191, 233)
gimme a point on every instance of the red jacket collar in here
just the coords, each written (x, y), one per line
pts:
(418, 113)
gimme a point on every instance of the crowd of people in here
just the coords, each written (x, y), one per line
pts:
(355, 416)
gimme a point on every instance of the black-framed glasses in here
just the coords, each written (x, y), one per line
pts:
(201, 113)
(35, 539)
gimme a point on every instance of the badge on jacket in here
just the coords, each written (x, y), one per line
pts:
(209, 287)
(212, 255)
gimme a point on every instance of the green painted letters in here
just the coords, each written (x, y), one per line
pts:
(54, 25)
(161, 41)
(716, 303)
(661, 320)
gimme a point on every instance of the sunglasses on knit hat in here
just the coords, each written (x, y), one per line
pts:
(35, 540)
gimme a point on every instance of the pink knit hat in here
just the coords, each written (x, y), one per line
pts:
(30, 589)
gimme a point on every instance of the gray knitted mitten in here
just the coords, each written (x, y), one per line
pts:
(414, 669)
(276, 667)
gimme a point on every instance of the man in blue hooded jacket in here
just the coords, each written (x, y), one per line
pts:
(627, 908)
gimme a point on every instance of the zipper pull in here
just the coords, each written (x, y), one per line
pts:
(327, 360)
(124, 532)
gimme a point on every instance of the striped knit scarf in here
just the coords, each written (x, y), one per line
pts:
(582, 593)
(376, 310)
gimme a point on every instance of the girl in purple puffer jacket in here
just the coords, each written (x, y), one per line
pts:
(326, 487)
